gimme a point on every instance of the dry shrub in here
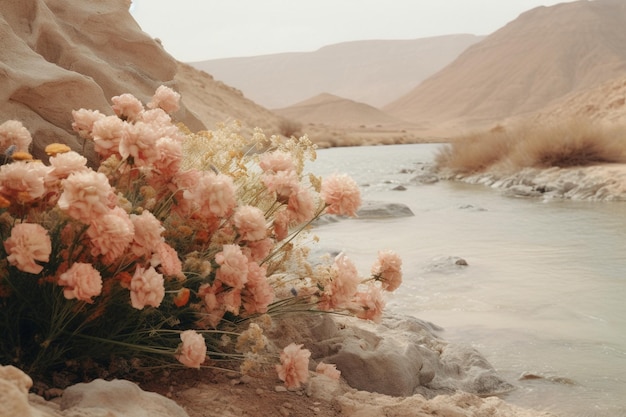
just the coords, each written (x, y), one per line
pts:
(571, 143)
(576, 143)
(290, 128)
(474, 152)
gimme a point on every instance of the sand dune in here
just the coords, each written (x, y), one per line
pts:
(370, 71)
(332, 110)
(543, 55)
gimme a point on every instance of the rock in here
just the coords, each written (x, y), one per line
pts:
(402, 356)
(14, 399)
(445, 264)
(383, 210)
(117, 398)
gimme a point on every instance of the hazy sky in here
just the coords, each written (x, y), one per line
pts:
(196, 30)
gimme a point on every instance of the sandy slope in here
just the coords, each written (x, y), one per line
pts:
(524, 66)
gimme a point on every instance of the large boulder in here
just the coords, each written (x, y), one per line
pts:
(401, 356)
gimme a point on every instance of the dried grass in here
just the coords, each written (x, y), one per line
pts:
(572, 143)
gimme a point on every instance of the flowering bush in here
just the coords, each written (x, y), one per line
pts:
(167, 247)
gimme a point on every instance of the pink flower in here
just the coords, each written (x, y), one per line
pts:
(167, 257)
(139, 144)
(86, 195)
(166, 99)
(341, 194)
(28, 243)
(127, 106)
(283, 183)
(212, 196)
(192, 350)
(64, 164)
(23, 182)
(148, 231)
(343, 285)
(258, 293)
(84, 120)
(301, 206)
(281, 225)
(257, 250)
(370, 304)
(233, 270)
(329, 370)
(146, 288)
(294, 366)
(212, 295)
(277, 161)
(111, 234)
(250, 223)
(107, 135)
(82, 281)
(388, 270)
(231, 300)
(170, 157)
(13, 133)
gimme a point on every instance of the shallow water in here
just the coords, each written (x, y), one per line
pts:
(545, 289)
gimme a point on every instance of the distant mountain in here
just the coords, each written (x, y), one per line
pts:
(374, 72)
(543, 55)
(339, 112)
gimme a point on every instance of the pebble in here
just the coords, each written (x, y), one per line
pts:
(280, 388)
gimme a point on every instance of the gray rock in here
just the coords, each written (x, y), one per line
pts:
(401, 356)
(383, 210)
(445, 264)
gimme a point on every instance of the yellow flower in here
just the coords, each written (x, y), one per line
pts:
(22, 156)
(56, 148)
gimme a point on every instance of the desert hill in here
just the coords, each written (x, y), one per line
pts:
(371, 71)
(330, 109)
(543, 55)
(604, 103)
(79, 56)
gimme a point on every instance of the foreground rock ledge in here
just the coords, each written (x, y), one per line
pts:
(397, 368)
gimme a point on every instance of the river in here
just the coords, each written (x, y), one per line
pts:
(544, 291)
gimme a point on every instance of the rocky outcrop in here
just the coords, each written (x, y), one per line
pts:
(402, 356)
(59, 56)
(605, 182)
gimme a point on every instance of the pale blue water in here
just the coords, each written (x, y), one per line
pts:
(545, 289)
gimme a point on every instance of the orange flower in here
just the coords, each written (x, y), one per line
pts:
(182, 297)
(124, 278)
(21, 156)
(56, 148)
(4, 203)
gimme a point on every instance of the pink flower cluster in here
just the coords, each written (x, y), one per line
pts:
(281, 178)
(14, 137)
(192, 350)
(341, 195)
(126, 223)
(388, 270)
(294, 366)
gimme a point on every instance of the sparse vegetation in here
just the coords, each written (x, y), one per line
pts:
(572, 143)
(290, 128)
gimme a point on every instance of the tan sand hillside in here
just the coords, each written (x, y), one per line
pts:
(75, 57)
(330, 109)
(543, 55)
(371, 71)
(606, 103)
